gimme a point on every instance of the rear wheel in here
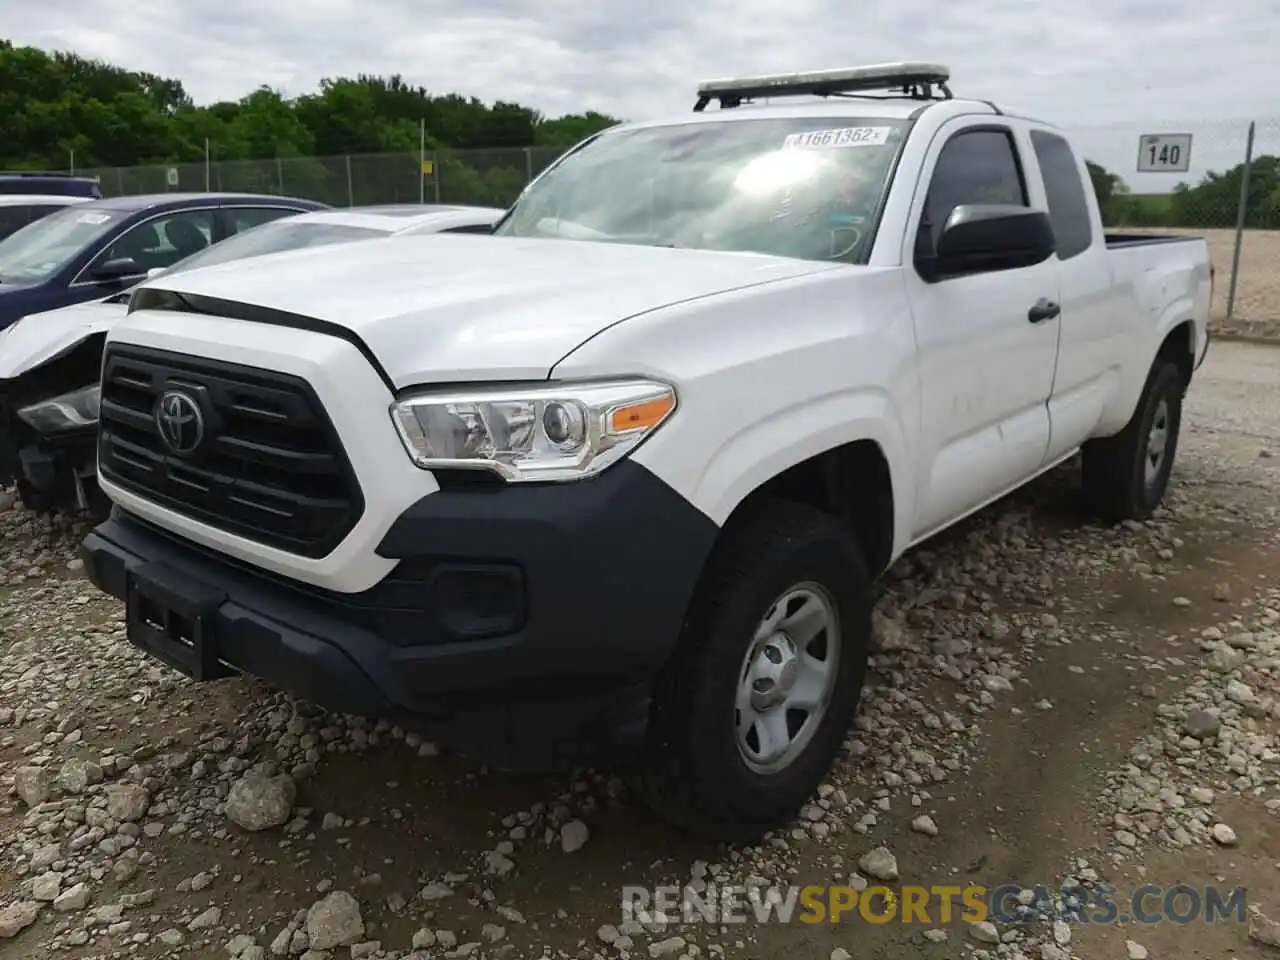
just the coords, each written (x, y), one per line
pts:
(1126, 476)
(766, 678)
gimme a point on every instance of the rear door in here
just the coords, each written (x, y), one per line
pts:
(986, 368)
(1091, 339)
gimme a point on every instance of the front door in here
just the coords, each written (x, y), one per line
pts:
(986, 369)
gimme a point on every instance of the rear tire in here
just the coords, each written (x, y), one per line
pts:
(782, 618)
(1126, 476)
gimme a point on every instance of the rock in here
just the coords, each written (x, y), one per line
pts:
(664, 948)
(840, 953)
(435, 890)
(936, 935)
(924, 824)
(1224, 835)
(424, 939)
(16, 917)
(984, 931)
(73, 898)
(127, 802)
(33, 784)
(204, 921)
(879, 863)
(1201, 724)
(493, 932)
(1135, 950)
(77, 775)
(239, 944)
(334, 921)
(46, 887)
(1262, 929)
(258, 802)
(574, 836)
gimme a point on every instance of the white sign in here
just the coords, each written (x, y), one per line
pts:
(1164, 153)
(171, 175)
(842, 137)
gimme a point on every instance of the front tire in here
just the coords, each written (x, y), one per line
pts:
(1126, 476)
(766, 678)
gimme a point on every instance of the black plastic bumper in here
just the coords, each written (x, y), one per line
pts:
(522, 624)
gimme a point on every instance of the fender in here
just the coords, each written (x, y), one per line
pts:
(761, 451)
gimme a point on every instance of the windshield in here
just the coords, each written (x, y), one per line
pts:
(40, 249)
(276, 237)
(799, 187)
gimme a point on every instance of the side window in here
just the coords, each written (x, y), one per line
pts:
(246, 218)
(975, 166)
(1064, 187)
(162, 242)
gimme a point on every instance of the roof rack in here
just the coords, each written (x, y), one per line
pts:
(914, 80)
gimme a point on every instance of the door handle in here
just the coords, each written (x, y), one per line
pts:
(1044, 309)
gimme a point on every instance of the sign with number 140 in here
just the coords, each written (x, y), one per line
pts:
(1164, 153)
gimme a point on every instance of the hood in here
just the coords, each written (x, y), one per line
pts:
(40, 337)
(456, 307)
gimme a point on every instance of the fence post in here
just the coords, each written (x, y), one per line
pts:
(435, 174)
(351, 193)
(120, 181)
(1240, 218)
(528, 164)
(280, 173)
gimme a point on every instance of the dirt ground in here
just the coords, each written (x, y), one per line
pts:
(1055, 704)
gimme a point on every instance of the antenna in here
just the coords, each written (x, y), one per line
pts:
(915, 80)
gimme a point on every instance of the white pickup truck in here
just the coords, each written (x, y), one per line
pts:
(622, 474)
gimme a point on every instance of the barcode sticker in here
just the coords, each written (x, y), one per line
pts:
(842, 137)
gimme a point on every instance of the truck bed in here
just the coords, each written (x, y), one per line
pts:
(1143, 239)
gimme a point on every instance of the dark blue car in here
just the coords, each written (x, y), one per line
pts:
(52, 184)
(91, 250)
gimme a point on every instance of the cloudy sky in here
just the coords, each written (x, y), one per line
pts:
(1129, 66)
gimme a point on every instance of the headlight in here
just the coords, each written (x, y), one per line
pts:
(79, 408)
(543, 432)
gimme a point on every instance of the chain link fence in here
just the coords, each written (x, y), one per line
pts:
(481, 177)
(1229, 192)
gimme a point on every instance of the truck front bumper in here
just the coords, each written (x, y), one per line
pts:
(522, 624)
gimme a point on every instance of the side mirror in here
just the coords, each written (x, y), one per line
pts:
(986, 237)
(116, 269)
(154, 272)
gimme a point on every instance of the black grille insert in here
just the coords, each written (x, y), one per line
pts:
(271, 467)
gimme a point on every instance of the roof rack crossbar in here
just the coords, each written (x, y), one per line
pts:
(912, 80)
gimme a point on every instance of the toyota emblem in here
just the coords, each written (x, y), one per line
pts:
(180, 422)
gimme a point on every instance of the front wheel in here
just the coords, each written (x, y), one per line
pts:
(755, 703)
(1126, 476)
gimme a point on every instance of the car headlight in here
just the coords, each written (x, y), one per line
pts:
(79, 408)
(544, 432)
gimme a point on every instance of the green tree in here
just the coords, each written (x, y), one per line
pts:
(57, 104)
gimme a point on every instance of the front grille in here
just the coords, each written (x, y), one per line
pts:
(271, 467)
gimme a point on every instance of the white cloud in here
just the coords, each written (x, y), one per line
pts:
(1136, 63)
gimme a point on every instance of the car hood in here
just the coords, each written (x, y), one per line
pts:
(457, 307)
(40, 337)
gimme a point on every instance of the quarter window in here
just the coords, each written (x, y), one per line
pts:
(246, 218)
(1064, 187)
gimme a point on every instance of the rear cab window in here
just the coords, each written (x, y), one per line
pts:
(1064, 187)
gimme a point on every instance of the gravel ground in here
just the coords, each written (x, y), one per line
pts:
(1054, 703)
